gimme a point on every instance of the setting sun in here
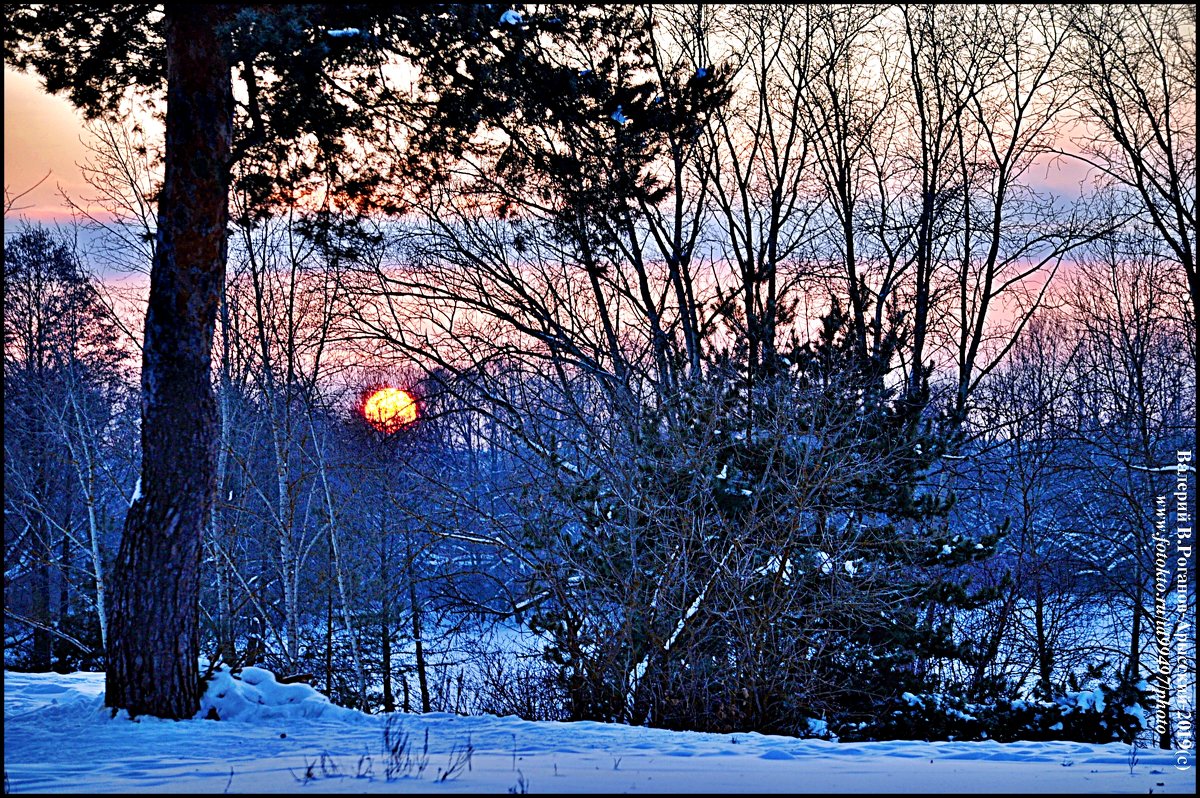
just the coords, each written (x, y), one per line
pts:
(389, 409)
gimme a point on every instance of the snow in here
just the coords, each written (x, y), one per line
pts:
(1089, 700)
(773, 567)
(59, 738)
(256, 696)
(826, 562)
(1139, 712)
(807, 440)
(619, 117)
(137, 492)
(510, 17)
(683, 621)
(344, 33)
(818, 727)
(1170, 469)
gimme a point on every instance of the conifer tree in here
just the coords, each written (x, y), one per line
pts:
(312, 78)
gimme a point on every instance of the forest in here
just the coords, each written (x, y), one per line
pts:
(801, 369)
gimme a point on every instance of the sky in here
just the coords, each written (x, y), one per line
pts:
(41, 135)
(58, 737)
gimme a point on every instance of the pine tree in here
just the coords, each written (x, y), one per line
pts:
(894, 621)
(292, 59)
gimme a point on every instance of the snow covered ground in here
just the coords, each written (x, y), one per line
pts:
(287, 738)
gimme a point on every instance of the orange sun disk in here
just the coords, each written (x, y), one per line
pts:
(389, 409)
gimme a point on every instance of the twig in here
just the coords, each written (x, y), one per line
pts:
(459, 758)
(38, 625)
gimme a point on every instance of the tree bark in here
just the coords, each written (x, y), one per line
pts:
(385, 621)
(40, 610)
(64, 600)
(154, 623)
(84, 460)
(335, 558)
(1045, 654)
(226, 648)
(418, 642)
(385, 636)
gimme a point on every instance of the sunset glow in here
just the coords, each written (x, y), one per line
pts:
(389, 409)
(806, 389)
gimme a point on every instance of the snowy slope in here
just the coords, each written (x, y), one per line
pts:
(59, 738)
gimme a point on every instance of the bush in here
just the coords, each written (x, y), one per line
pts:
(1103, 714)
(519, 685)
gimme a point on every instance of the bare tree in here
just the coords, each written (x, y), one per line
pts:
(12, 197)
(851, 109)
(1012, 236)
(124, 172)
(63, 379)
(1132, 412)
(1020, 473)
(1135, 66)
(763, 193)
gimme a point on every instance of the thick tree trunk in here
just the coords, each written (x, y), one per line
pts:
(154, 622)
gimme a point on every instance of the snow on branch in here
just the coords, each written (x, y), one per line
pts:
(1171, 469)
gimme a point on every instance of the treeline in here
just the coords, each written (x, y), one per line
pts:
(764, 376)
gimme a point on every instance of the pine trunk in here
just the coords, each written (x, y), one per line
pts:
(154, 622)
